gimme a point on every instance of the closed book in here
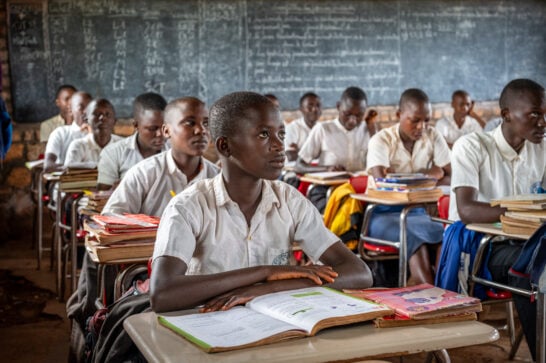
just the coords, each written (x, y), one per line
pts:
(120, 252)
(393, 321)
(532, 216)
(406, 195)
(116, 222)
(512, 225)
(105, 237)
(522, 201)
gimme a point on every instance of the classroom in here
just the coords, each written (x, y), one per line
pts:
(111, 107)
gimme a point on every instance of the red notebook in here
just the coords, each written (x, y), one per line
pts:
(124, 222)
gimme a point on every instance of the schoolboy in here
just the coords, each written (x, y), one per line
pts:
(150, 185)
(463, 121)
(298, 130)
(101, 117)
(410, 146)
(61, 137)
(340, 144)
(226, 240)
(62, 101)
(148, 140)
(507, 161)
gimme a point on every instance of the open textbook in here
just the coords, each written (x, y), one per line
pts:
(272, 318)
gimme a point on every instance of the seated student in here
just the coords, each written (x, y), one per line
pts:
(148, 140)
(339, 144)
(61, 137)
(298, 130)
(507, 161)
(410, 146)
(62, 101)
(463, 121)
(101, 117)
(233, 233)
(149, 185)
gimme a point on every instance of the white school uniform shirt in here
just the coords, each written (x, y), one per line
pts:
(86, 150)
(333, 144)
(115, 160)
(297, 133)
(147, 186)
(448, 128)
(387, 149)
(206, 229)
(47, 126)
(486, 162)
(60, 140)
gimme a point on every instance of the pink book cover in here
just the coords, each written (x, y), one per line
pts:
(422, 301)
(117, 222)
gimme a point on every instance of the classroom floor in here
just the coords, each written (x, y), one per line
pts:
(47, 340)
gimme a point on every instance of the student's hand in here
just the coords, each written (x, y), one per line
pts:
(235, 297)
(471, 109)
(316, 273)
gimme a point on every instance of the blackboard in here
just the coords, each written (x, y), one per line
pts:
(120, 48)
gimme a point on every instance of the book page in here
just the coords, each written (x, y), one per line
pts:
(307, 307)
(230, 328)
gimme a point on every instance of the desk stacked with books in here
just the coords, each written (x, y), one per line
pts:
(525, 213)
(117, 238)
(96, 200)
(78, 179)
(405, 188)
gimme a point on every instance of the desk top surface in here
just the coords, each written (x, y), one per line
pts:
(159, 344)
(494, 229)
(318, 181)
(366, 198)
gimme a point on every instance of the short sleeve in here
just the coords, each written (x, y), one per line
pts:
(107, 168)
(378, 151)
(442, 154)
(54, 144)
(128, 196)
(312, 147)
(465, 163)
(291, 136)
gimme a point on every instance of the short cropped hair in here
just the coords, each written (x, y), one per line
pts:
(226, 114)
(308, 94)
(355, 94)
(413, 95)
(175, 103)
(459, 93)
(63, 87)
(517, 87)
(148, 101)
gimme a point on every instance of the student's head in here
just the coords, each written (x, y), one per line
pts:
(271, 97)
(148, 111)
(461, 103)
(62, 100)
(352, 107)
(523, 109)
(101, 117)
(413, 113)
(311, 108)
(187, 126)
(78, 103)
(249, 134)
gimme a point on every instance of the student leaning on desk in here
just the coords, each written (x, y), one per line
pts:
(228, 239)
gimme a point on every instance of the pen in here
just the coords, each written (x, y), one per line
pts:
(173, 194)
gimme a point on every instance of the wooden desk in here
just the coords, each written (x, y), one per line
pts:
(402, 242)
(494, 229)
(349, 343)
(44, 177)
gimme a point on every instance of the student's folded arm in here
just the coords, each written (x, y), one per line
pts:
(473, 211)
(353, 273)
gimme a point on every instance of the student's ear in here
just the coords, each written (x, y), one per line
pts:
(166, 131)
(505, 114)
(338, 105)
(398, 113)
(222, 146)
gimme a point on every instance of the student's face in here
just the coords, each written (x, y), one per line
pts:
(351, 113)
(187, 126)
(311, 109)
(461, 104)
(149, 124)
(525, 116)
(101, 118)
(258, 149)
(63, 103)
(78, 103)
(414, 118)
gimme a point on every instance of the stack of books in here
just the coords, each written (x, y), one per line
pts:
(525, 213)
(420, 304)
(78, 179)
(121, 237)
(96, 200)
(405, 188)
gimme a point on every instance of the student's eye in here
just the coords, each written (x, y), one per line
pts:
(264, 134)
(189, 123)
(206, 124)
(282, 134)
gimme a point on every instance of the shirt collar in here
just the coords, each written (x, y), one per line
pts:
(74, 127)
(504, 147)
(301, 121)
(269, 198)
(133, 141)
(173, 168)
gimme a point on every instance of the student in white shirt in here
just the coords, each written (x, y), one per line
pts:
(150, 185)
(507, 161)
(298, 130)
(62, 101)
(410, 146)
(148, 140)
(61, 137)
(226, 240)
(101, 118)
(463, 121)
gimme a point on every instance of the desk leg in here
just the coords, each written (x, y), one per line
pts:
(403, 249)
(40, 221)
(58, 243)
(74, 243)
(541, 327)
